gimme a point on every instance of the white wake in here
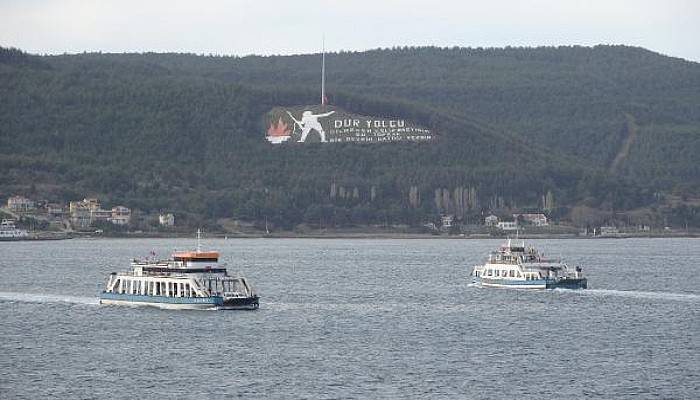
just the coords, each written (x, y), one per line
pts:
(47, 298)
(640, 294)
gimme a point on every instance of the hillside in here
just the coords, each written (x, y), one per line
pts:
(612, 128)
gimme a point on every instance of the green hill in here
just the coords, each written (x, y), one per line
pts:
(613, 128)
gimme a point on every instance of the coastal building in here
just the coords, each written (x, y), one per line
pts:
(447, 221)
(532, 219)
(609, 231)
(166, 219)
(92, 203)
(120, 215)
(80, 217)
(85, 204)
(85, 212)
(491, 220)
(56, 211)
(20, 204)
(508, 225)
(100, 215)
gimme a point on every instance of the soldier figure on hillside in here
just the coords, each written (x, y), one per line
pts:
(308, 122)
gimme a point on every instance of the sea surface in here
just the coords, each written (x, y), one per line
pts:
(356, 318)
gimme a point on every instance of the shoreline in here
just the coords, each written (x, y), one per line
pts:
(45, 236)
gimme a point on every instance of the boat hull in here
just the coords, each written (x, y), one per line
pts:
(540, 284)
(240, 303)
(181, 303)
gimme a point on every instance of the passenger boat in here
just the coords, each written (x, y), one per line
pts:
(514, 266)
(190, 280)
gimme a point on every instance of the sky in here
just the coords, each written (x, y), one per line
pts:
(243, 27)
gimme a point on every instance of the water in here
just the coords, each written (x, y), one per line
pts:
(356, 319)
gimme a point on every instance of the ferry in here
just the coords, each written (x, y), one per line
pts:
(515, 266)
(8, 231)
(190, 280)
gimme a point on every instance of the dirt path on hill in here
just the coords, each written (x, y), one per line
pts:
(632, 129)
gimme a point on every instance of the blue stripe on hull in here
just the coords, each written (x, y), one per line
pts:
(136, 298)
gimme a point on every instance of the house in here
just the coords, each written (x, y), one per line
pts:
(120, 215)
(166, 219)
(80, 216)
(87, 211)
(100, 215)
(56, 211)
(508, 225)
(609, 231)
(491, 220)
(532, 219)
(85, 204)
(447, 221)
(20, 204)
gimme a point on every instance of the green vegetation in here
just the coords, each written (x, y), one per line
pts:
(184, 133)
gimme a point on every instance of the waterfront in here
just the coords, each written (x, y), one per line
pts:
(356, 319)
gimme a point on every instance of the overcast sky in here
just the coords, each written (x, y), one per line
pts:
(241, 27)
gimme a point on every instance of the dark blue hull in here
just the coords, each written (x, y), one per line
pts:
(569, 283)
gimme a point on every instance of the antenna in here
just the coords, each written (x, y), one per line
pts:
(199, 240)
(323, 73)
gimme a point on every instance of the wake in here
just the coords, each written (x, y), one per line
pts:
(46, 298)
(639, 294)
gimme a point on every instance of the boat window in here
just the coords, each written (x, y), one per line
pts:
(512, 273)
(504, 273)
(519, 276)
(490, 273)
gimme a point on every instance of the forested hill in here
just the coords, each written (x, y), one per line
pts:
(611, 128)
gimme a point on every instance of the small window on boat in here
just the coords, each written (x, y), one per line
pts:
(498, 272)
(512, 273)
(490, 272)
(504, 273)
(519, 276)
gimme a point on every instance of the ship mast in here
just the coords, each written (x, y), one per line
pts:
(199, 240)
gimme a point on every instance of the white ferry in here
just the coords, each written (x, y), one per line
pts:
(190, 280)
(514, 266)
(8, 231)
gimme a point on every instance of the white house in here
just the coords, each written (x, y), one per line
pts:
(20, 204)
(508, 225)
(121, 215)
(447, 222)
(166, 219)
(491, 220)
